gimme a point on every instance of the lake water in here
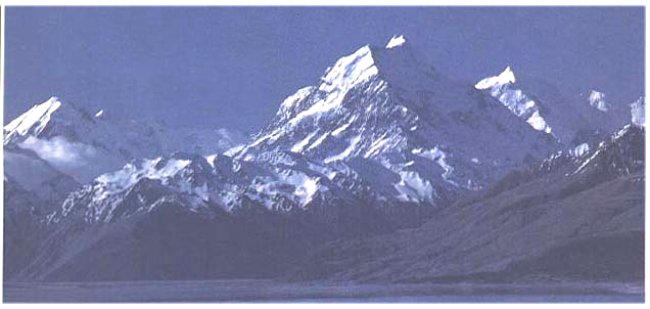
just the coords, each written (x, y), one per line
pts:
(280, 292)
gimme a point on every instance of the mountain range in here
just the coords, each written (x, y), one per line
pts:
(384, 169)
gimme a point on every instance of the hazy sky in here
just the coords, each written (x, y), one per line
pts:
(231, 67)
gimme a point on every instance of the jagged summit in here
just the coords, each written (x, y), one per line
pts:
(36, 119)
(367, 62)
(378, 65)
(47, 119)
(506, 77)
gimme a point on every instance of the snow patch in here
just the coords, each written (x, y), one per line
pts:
(342, 128)
(210, 159)
(412, 188)
(318, 141)
(637, 109)
(354, 142)
(300, 146)
(231, 152)
(580, 150)
(439, 157)
(306, 187)
(291, 101)
(537, 122)
(377, 146)
(597, 100)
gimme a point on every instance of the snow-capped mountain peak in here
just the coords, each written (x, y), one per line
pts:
(597, 100)
(396, 40)
(32, 121)
(387, 106)
(48, 119)
(506, 77)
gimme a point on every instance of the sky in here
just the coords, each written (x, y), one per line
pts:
(232, 67)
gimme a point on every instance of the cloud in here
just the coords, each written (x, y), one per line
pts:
(66, 156)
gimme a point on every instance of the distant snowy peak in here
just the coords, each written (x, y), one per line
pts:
(84, 144)
(33, 121)
(503, 89)
(397, 40)
(637, 109)
(40, 120)
(63, 135)
(597, 99)
(505, 78)
(73, 140)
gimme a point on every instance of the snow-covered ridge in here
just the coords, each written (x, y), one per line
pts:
(292, 104)
(504, 78)
(285, 183)
(621, 153)
(134, 171)
(503, 89)
(103, 196)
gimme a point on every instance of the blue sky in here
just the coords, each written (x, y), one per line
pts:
(231, 67)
